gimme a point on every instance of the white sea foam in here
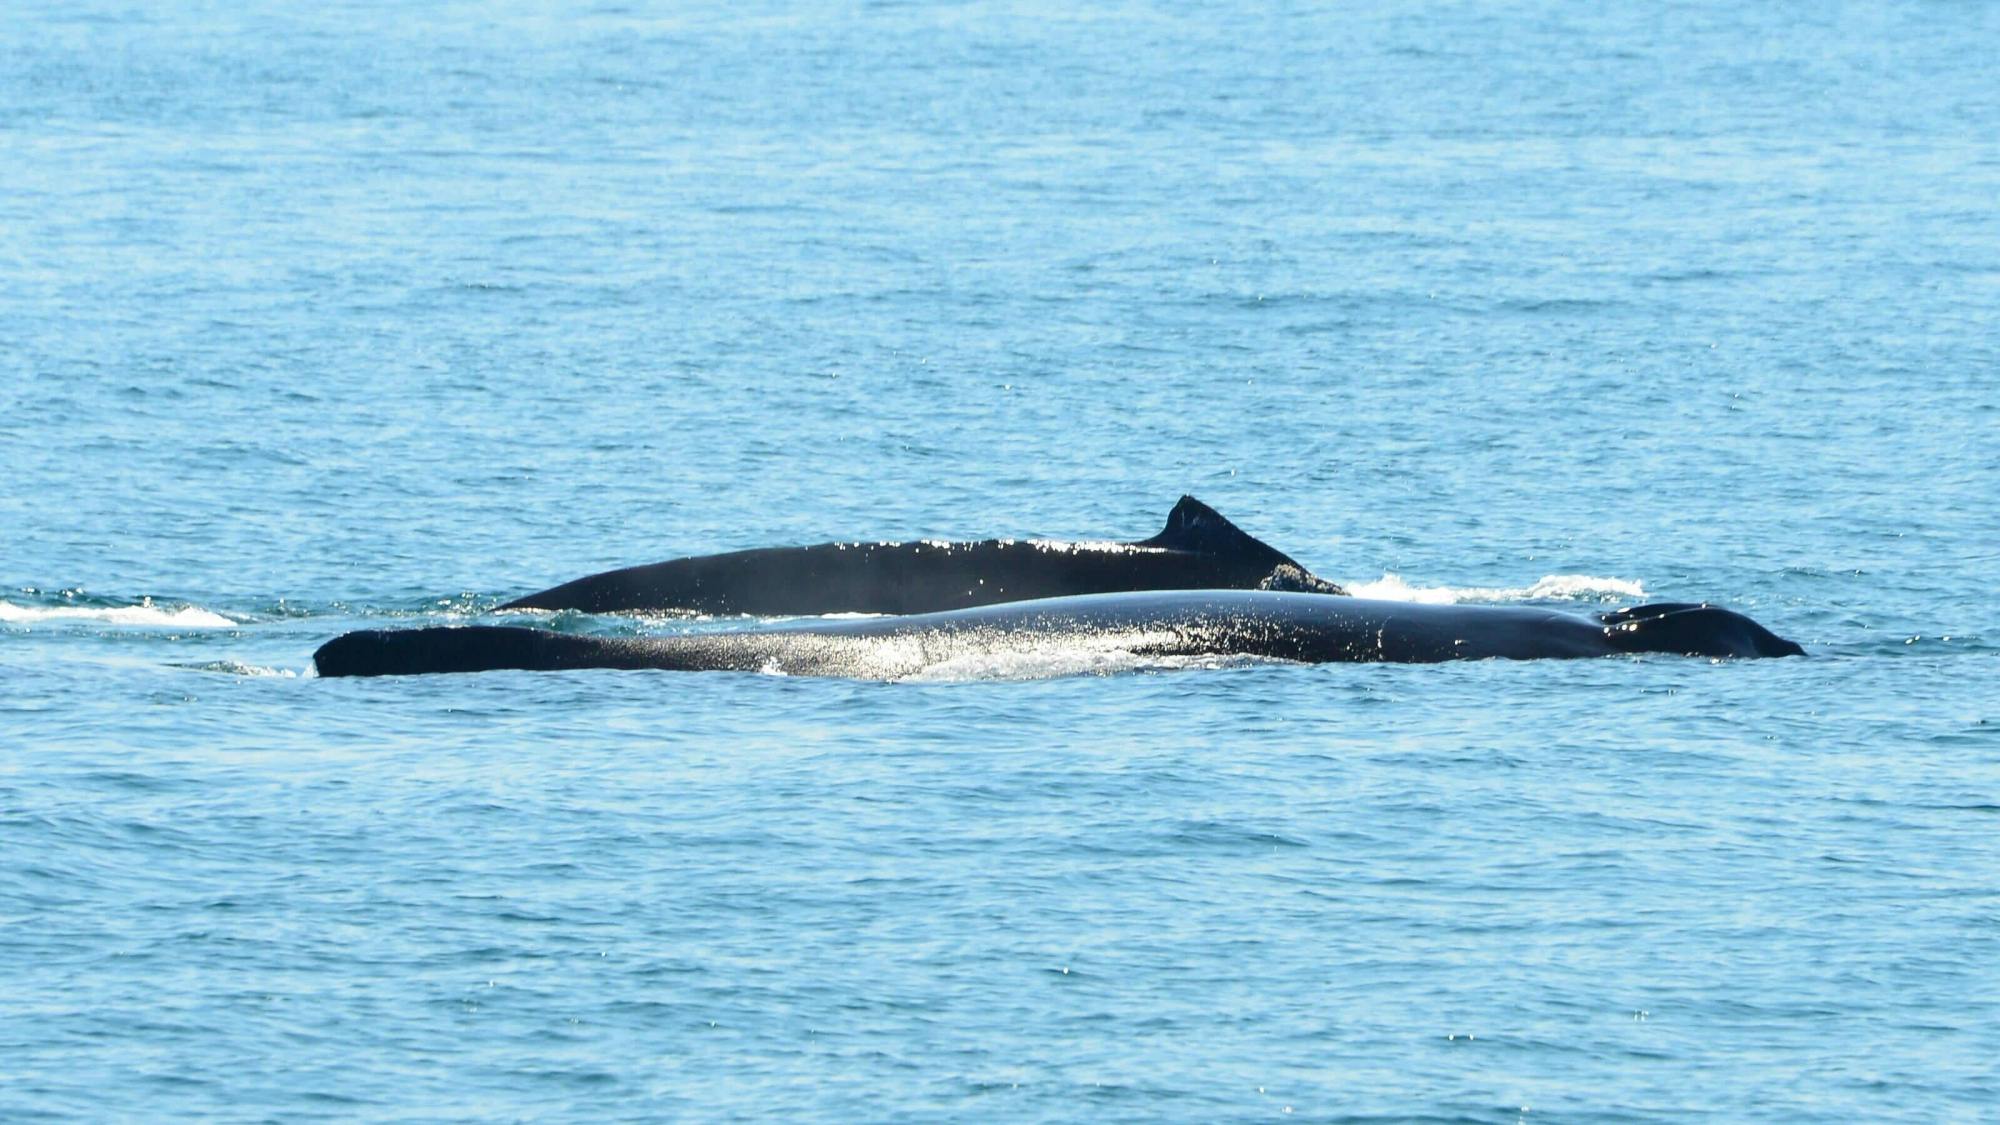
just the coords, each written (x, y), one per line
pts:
(1574, 587)
(239, 668)
(145, 614)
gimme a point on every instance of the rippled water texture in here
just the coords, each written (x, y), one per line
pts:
(319, 317)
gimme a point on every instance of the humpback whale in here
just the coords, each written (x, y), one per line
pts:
(1198, 549)
(1308, 628)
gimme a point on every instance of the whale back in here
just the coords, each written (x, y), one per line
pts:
(1284, 626)
(1197, 549)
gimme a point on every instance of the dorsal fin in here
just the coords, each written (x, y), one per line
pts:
(1194, 526)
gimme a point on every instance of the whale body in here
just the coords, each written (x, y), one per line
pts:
(1309, 628)
(1197, 549)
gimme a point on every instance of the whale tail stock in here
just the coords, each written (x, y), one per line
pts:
(1692, 629)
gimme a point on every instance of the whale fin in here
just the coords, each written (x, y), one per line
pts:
(1194, 526)
(1198, 529)
(1692, 629)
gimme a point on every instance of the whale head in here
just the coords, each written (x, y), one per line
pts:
(1692, 630)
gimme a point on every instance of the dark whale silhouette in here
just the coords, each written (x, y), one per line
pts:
(1198, 549)
(1310, 628)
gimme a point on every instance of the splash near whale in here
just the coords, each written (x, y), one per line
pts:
(1198, 549)
(1306, 628)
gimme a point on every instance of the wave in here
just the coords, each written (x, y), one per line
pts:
(1571, 587)
(144, 614)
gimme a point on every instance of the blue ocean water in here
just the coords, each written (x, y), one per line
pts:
(315, 317)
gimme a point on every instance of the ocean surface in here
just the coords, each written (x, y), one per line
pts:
(316, 317)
